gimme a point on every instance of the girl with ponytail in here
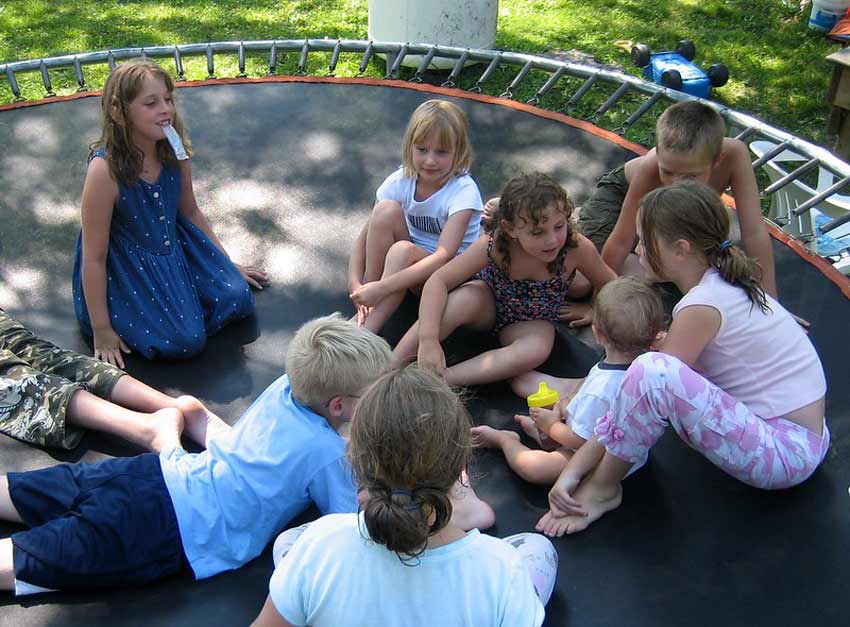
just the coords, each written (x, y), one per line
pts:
(404, 560)
(736, 376)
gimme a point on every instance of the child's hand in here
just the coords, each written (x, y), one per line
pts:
(544, 418)
(254, 276)
(490, 207)
(108, 346)
(577, 314)
(431, 356)
(560, 497)
(369, 295)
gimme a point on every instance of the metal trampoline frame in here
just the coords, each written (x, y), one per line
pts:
(744, 126)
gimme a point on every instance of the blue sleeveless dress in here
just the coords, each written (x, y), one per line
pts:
(168, 285)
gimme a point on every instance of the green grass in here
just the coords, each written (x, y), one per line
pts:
(776, 64)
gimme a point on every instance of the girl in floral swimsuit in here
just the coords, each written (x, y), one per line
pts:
(521, 270)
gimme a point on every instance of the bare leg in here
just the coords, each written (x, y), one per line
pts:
(471, 304)
(7, 508)
(469, 511)
(526, 384)
(201, 424)
(599, 493)
(386, 227)
(157, 431)
(532, 465)
(7, 566)
(133, 394)
(526, 345)
(401, 255)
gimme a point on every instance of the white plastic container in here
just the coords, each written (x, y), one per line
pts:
(462, 23)
(825, 13)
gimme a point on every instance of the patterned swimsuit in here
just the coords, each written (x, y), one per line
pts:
(524, 299)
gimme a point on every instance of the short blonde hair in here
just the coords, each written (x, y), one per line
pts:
(449, 122)
(629, 313)
(330, 356)
(691, 127)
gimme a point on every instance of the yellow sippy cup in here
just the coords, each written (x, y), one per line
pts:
(546, 398)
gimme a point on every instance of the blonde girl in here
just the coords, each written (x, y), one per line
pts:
(427, 212)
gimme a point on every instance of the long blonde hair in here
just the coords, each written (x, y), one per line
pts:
(122, 87)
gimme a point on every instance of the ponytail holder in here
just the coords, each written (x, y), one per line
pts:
(408, 493)
(725, 245)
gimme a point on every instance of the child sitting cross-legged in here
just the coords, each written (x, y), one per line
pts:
(127, 521)
(627, 317)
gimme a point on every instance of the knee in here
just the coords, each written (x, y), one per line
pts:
(535, 352)
(185, 343)
(386, 213)
(400, 255)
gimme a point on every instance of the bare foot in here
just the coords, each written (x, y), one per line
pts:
(202, 425)
(488, 437)
(164, 428)
(596, 500)
(469, 511)
(528, 426)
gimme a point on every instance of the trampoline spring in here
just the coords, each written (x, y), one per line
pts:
(585, 87)
(110, 59)
(641, 110)
(792, 176)
(423, 66)
(508, 93)
(241, 56)
(451, 81)
(811, 202)
(834, 224)
(393, 71)
(78, 72)
(770, 154)
(13, 85)
(335, 57)
(743, 135)
(45, 79)
(273, 59)
(210, 62)
(178, 64)
(612, 100)
(488, 73)
(367, 56)
(301, 70)
(547, 86)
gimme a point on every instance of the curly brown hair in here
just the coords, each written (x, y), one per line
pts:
(526, 198)
(122, 87)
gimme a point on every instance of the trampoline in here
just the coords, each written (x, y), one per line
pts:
(286, 171)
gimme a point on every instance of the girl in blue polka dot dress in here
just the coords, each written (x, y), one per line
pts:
(149, 275)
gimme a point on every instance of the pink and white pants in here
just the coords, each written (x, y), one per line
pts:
(660, 390)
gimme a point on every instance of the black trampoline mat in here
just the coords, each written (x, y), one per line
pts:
(286, 172)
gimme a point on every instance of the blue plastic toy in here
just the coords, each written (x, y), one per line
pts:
(675, 69)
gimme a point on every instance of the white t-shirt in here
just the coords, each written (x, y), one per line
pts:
(764, 360)
(335, 576)
(426, 219)
(593, 400)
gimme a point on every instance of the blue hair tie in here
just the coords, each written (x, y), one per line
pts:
(725, 245)
(401, 493)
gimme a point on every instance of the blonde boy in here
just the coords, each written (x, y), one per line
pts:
(127, 521)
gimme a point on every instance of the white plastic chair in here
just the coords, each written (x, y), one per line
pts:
(785, 200)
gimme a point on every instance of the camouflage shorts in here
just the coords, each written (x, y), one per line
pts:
(37, 381)
(599, 213)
